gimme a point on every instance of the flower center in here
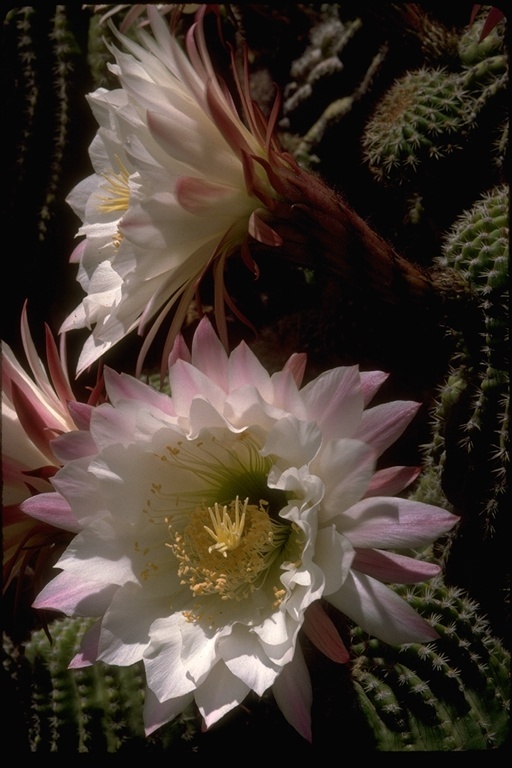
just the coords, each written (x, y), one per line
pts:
(117, 189)
(245, 544)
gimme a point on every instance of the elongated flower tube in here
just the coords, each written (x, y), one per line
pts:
(180, 182)
(216, 522)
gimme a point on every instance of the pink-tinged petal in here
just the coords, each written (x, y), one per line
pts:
(346, 468)
(335, 401)
(81, 414)
(35, 420)
(73, 445)
(158, 713)
(120, 387)
(208, 354)
(286, 393)
(179, 351)
(197, 196)
(393, 523)
(296, 364)
(77, 253)
(371, 382)
(245, 368)
(58, 374)
(390, 481)
(75, 597)
(293, 694)
(219, 693)
(380, 612)
(322, 633)
(389, 566)
(187, 382)
(88, 653)
(262, 232)
(51, 508)
(383, 424)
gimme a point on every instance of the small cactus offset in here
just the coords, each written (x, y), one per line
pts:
(452, 694)
(433, 111)
(94, 709)
(425, 115)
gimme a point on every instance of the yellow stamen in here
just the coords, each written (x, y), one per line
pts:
(117, 188)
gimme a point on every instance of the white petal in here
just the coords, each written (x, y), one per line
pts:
(220, 693)
(245, 658)
(379, 611)
(346, 468)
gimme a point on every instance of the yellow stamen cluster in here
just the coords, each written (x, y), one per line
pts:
(117, 188)
(245, 545)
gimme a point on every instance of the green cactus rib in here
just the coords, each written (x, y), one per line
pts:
(91, 709)
(451, 694)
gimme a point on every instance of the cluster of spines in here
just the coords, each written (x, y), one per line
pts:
(447, 695)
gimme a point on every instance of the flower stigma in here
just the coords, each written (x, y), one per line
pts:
(226, 534)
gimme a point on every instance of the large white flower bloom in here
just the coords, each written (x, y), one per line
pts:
(215, 522)
(179, 183)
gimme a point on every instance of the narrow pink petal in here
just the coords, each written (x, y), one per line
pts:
(58, 375)
(388, 482)
(197, 195)
(245, 368)
(371, 381)
(208, 354)
(179, 351)
(36, 421)
(383, 424)
(380, 612)
(51, 508)
(296, 364)
(187, 382)
(392, 523)
(293, 694)
(81, 414)
(335, 401)
(120, 386)
(67, 594)
(73, 445)
(263, 232)
(322, 633)
(77, 253)
(389, 566)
